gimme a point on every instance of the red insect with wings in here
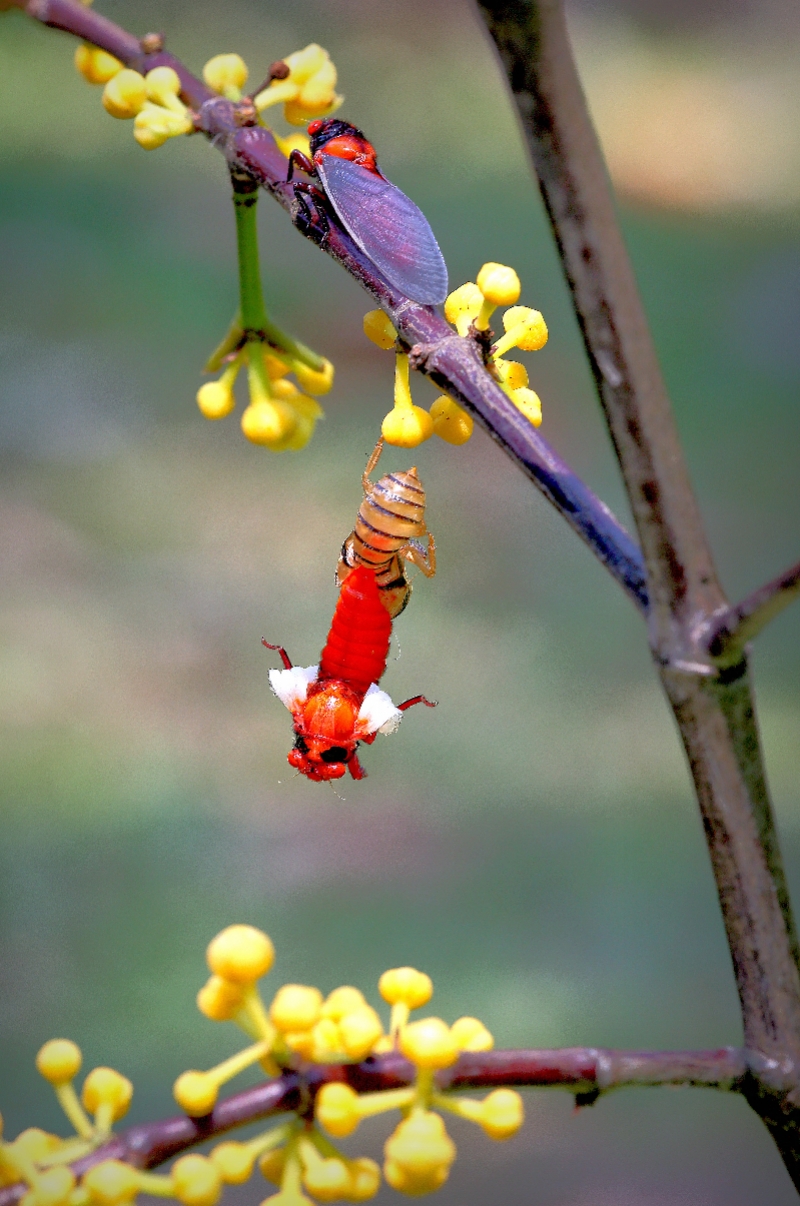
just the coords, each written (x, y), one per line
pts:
(338, 704)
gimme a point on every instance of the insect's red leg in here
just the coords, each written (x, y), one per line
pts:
(409, 703)
(355, 768)
(298, 159)
(284, 655)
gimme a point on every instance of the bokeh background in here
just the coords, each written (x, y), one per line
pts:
(533, 844)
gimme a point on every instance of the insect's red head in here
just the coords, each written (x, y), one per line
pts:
(325, 732)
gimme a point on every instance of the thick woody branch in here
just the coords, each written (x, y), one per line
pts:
(728, 632)
(454, 364)
(585, 1071)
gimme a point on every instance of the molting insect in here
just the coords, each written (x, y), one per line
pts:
(390, 521)
(381, 220)
(338, 704)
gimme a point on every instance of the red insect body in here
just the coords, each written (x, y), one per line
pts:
(329, 721)
(348, 146)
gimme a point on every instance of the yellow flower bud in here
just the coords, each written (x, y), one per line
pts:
(326, 1039)
(450, 422)
(268, 423)
(359, 1031)
(96, 65)
(529, 404)
(284, 389)
(471, 1035)
(196, 1181)
(304, 63)
(328, 1180)
(336, 1108)
(226, 74)
(379, 328)
(275, 366)
(407, 426)
(365, 1179)
(499, 284)
(215, 400)
(233, 1161)
(418, 1154)
(59, 1060)
(290, 1198)
(125, 93)
(35, 1145)
(314, 381)
(110, 1183)
(54, 1186)
(104, 1086)
(240, 953)
(295, 1007)
(154, 125)
(292, 142)
(512, 374)
(196, 1093)
(405, 986)
(219, 999)
(341, 1001)
(525, 329)
(163, 86)
(272, 1164)
(463, 306)
(429, 1043)
(502, 1114)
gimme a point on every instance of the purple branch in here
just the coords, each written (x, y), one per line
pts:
(585, 1071)
(730, 630)
(452, 363)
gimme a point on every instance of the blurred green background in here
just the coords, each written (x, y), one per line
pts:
(533, 844)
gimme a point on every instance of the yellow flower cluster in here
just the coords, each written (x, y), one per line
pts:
(280, 415)
(309, 89)
(471, 305)
(152, 100)
(341, 1028)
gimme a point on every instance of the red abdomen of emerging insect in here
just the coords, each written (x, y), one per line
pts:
(358, 643)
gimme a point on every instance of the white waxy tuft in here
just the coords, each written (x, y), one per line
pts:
(377, 713)
(291, 686)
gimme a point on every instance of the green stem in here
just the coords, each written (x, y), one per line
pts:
(245, 201)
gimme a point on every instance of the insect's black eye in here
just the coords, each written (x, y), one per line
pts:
(336, 753)
(300, 744)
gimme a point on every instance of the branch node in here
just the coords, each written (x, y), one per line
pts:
(152, 43)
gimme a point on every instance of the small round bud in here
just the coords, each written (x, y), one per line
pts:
(327, 1180)
(59, 1061)
(240, 953)
(215, 400)
(405, 986)
(54, 1186)
(224, 72)
(196, 1181)
(429, 1043)
(365, 1179)
(325, 1037)
(463, 306)
(276, 368)
(502, 1114)
(268, 423)
(420, 1151)
(336, 1108)
(499, 284)
(530, 329)
(359, 1032)
(124, 95)
(110, 1183)
(163, 85)
(379, 328)
(407, 426)
(95, 65)
(295, 1007)
(471, 1035)
(271, 1165)
(104, 1086)
(233, 1161)
(304, 63)
(529, 404)
(450, 422)
(35, 1144)
(341, 1001)
(513, 374)
(196, 1093)
(314, 381)
(219, 999)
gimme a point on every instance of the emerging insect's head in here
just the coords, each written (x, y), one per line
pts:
(325, 129)
(324, 728)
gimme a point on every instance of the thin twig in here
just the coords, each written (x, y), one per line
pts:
(729, 631)
(584, 1071)
(452, 363)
